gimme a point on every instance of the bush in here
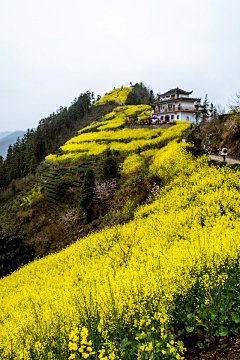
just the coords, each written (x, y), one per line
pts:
(110, 167)
(14, 252)
(62, 186)
(222, 164)
(87, 193)
(35, 193)
(234, 166)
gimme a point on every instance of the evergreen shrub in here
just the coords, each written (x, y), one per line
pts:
(62, 185)
(14, 252)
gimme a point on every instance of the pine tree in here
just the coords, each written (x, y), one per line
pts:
(110, 167)
(32, 165)
(204, 110)
(140, 94)
(2, 172)
(212, 111)
(197, 112)
(92, 98)
(14, 252)
(87, 190)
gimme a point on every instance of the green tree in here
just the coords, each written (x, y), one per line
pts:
(32, 165)
(197, 112)
(2, 172)
(14, 252)
(204, 110)
(213, 111)
(140, 94)
(110, 167)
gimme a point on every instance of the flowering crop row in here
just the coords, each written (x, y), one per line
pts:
(117, 118)
(92, 299)
(132, 162)
(118, 95)
(120, 135)
(127, 140)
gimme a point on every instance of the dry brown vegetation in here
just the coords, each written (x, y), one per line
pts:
(221, 130)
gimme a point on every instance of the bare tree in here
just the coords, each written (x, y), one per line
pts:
(220, 109)
(234, 102)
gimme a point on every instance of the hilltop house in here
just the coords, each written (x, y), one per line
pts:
(175, 104)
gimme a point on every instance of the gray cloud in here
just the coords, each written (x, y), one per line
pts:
(53, 50)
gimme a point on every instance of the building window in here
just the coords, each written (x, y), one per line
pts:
(187, 118)
(161, 118)
(172, 117)
(177, 117)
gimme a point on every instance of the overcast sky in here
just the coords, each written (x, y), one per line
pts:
(53, 50)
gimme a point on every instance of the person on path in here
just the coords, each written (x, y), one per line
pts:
(224, 152)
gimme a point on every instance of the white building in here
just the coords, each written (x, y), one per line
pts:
(175, 104)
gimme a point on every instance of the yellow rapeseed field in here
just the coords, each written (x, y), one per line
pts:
(118, 95)
(109, 133)
(88, 300)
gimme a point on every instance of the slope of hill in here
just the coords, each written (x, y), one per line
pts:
(5, 133)
(61, 179)
(220, 130)
(118, 96)
(53, 131)
(146, 281)
(166, 270)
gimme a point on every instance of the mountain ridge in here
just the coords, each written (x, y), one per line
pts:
(9, 139)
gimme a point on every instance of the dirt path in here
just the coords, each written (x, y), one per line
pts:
(228, 159)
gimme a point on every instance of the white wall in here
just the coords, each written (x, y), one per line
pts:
(183, 116)
(187, 103)
(188, 117)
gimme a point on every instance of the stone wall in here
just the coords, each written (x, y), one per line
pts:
(151, 126)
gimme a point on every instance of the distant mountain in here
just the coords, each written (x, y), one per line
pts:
(5, 133)
(10, 139)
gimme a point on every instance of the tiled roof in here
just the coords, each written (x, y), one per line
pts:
(176, 91)
(166, 101)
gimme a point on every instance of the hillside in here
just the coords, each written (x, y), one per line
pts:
(220, 130)
(62, 176)
(5, 133)
(152, 264)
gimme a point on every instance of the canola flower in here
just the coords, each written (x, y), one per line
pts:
(118, 95)
(117, 118)
(132, 162)
(127, 277)
(125, 140)
(94, 143)
(35, 193)
(120, 135)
